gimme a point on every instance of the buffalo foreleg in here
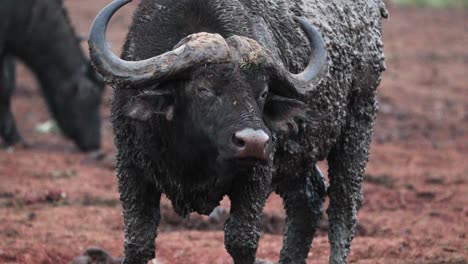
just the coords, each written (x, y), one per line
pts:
(8, 130)
(242, 229)
(141, 212)
(303, 197)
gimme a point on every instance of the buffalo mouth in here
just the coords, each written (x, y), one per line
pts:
(245, 163)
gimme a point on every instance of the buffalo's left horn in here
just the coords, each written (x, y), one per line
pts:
(196, 50)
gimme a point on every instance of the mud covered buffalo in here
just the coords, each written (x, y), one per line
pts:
(242, 98)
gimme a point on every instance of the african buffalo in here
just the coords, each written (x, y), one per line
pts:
(40, 34)
(231, 97)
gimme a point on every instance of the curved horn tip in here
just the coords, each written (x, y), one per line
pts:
(299, 19)
(317, 59)
(309, 29)
(100, 53)
(102, 19)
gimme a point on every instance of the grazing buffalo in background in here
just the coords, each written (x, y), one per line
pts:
(39, 33)
(245, 108)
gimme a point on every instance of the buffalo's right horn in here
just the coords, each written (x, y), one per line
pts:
(194, 50)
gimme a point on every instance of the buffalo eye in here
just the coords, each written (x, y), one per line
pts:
(204, 91)
(264, 94)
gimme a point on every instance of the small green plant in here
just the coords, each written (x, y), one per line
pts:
(433, 3)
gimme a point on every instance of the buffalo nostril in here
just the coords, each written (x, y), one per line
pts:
(237, 141)
(251, 143)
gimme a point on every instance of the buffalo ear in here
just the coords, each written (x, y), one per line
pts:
(144, 106)
(283, 114)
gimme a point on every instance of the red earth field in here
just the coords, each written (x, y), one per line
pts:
(55, 201)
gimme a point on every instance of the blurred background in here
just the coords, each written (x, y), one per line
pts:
(55, 201)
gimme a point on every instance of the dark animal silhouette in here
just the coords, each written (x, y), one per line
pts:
(39, 33)
(231, 97)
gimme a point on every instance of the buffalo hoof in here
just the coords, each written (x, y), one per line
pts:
(24, 145)
(101, 159)
(262, 261)
(96, 255)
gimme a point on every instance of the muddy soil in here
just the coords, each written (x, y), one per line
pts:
(55, 202)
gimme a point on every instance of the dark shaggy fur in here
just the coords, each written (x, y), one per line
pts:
(39, 33)
(180, 156)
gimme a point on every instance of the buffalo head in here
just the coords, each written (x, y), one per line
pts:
(227, 95)
(76, 108)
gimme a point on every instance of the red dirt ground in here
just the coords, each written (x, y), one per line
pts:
(55, 201)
